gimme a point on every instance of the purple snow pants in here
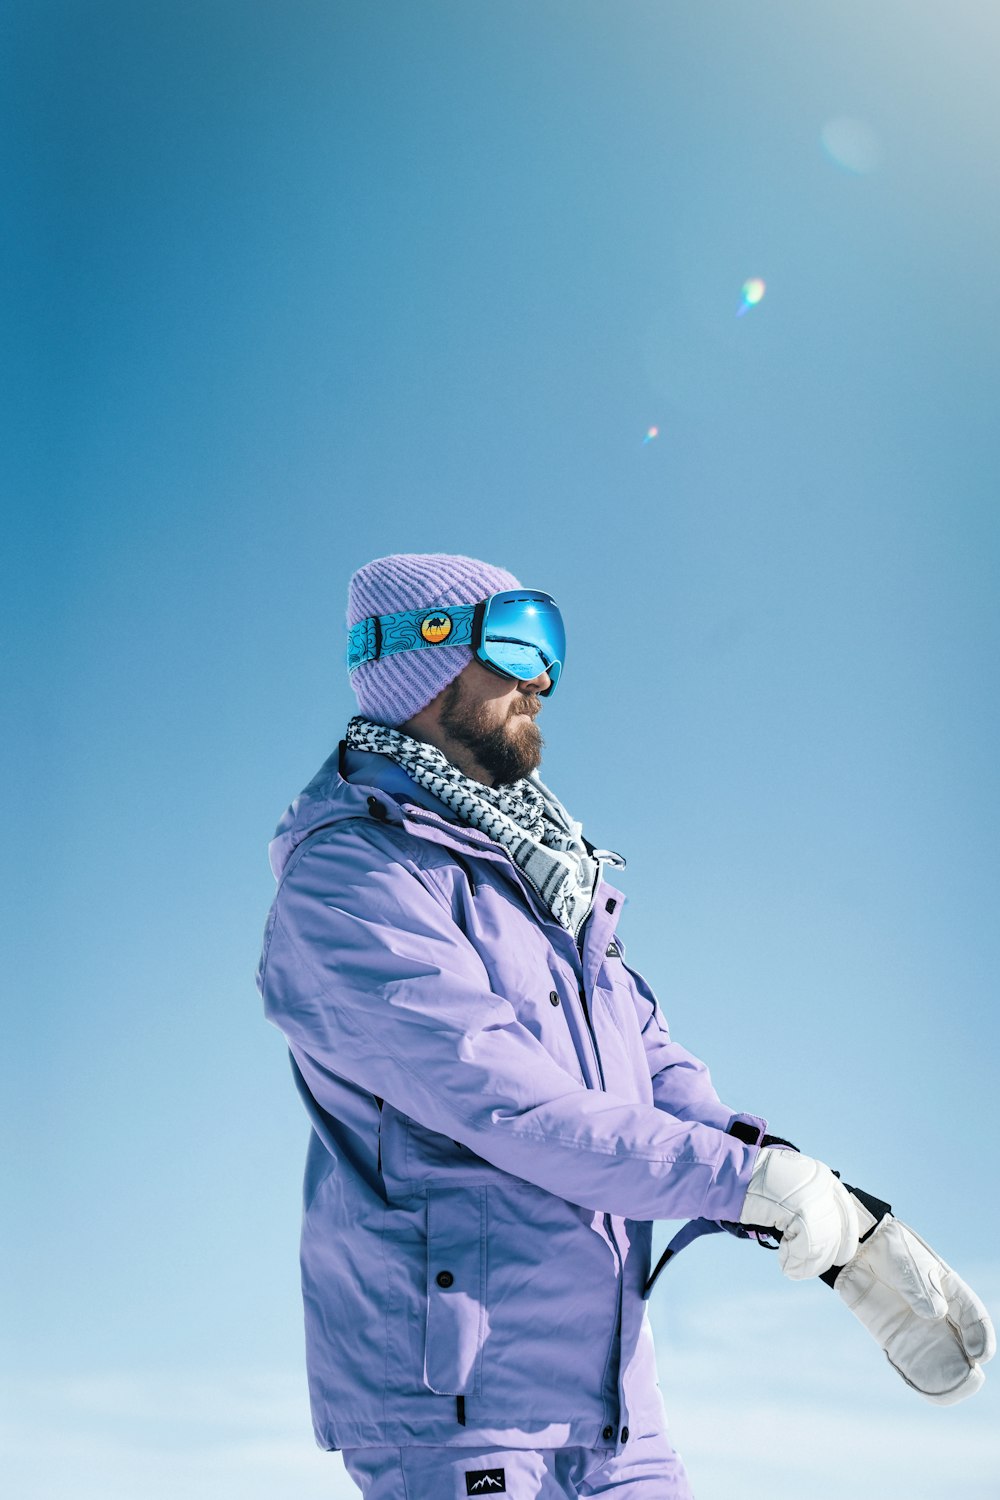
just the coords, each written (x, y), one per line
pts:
(647, 1469)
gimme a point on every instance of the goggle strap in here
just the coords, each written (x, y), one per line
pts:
(477, 624)
(383, 635)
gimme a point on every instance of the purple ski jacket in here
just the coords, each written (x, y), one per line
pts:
(498, 1115)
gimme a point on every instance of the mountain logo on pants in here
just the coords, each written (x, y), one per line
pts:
(484, 1482)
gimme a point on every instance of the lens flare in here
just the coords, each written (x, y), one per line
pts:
(652, 433)
(752, 293)
(852, 144)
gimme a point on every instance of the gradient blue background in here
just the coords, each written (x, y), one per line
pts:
(293, 286)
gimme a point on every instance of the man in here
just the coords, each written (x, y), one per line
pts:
(499, 1113)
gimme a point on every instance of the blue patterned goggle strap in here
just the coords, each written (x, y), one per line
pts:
(408, 630)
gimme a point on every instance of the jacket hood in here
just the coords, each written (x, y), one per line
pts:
(340, 789)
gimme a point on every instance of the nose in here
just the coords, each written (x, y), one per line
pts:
(538, 684)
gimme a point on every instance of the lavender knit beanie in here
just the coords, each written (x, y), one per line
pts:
(391, 690)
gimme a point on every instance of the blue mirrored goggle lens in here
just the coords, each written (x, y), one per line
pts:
(523, 635)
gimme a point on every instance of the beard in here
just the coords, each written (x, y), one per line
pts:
(507, 751)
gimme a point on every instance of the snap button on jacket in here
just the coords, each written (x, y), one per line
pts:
(485, 1164)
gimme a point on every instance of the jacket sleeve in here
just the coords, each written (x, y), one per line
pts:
(682, 1084)
(366, 971)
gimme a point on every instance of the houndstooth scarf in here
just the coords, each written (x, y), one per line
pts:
(525, 817)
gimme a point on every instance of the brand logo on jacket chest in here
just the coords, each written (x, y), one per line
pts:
(484, 1482)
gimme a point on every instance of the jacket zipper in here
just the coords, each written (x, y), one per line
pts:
(593, 1037)
(586, 1011)
(608, 1226)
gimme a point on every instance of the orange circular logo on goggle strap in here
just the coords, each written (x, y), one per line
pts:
(435, 627)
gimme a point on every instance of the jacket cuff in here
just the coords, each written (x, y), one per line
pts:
(750, 1129)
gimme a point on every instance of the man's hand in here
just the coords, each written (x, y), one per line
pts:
(933, 1328)
(814, 1212)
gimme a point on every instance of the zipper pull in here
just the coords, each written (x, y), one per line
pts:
(610, 857)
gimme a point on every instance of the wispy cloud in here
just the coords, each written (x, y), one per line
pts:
(781, 1393)
(232, 1435)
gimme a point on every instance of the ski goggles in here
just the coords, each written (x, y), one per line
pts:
(518, 633)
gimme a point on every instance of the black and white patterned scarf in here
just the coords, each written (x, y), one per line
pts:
(525, 817)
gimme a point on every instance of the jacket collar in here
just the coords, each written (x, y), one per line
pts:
(369, 768)
(414, 807)
(424, 815)
(362, 783)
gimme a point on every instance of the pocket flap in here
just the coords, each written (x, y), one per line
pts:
(457, 1322)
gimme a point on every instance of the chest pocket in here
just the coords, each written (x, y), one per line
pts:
(626, 1069)
(612, 986)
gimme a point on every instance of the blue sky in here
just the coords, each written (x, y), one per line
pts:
(300, 285)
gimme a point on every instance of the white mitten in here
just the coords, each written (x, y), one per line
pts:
(814, 1212)
(933, 1328)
